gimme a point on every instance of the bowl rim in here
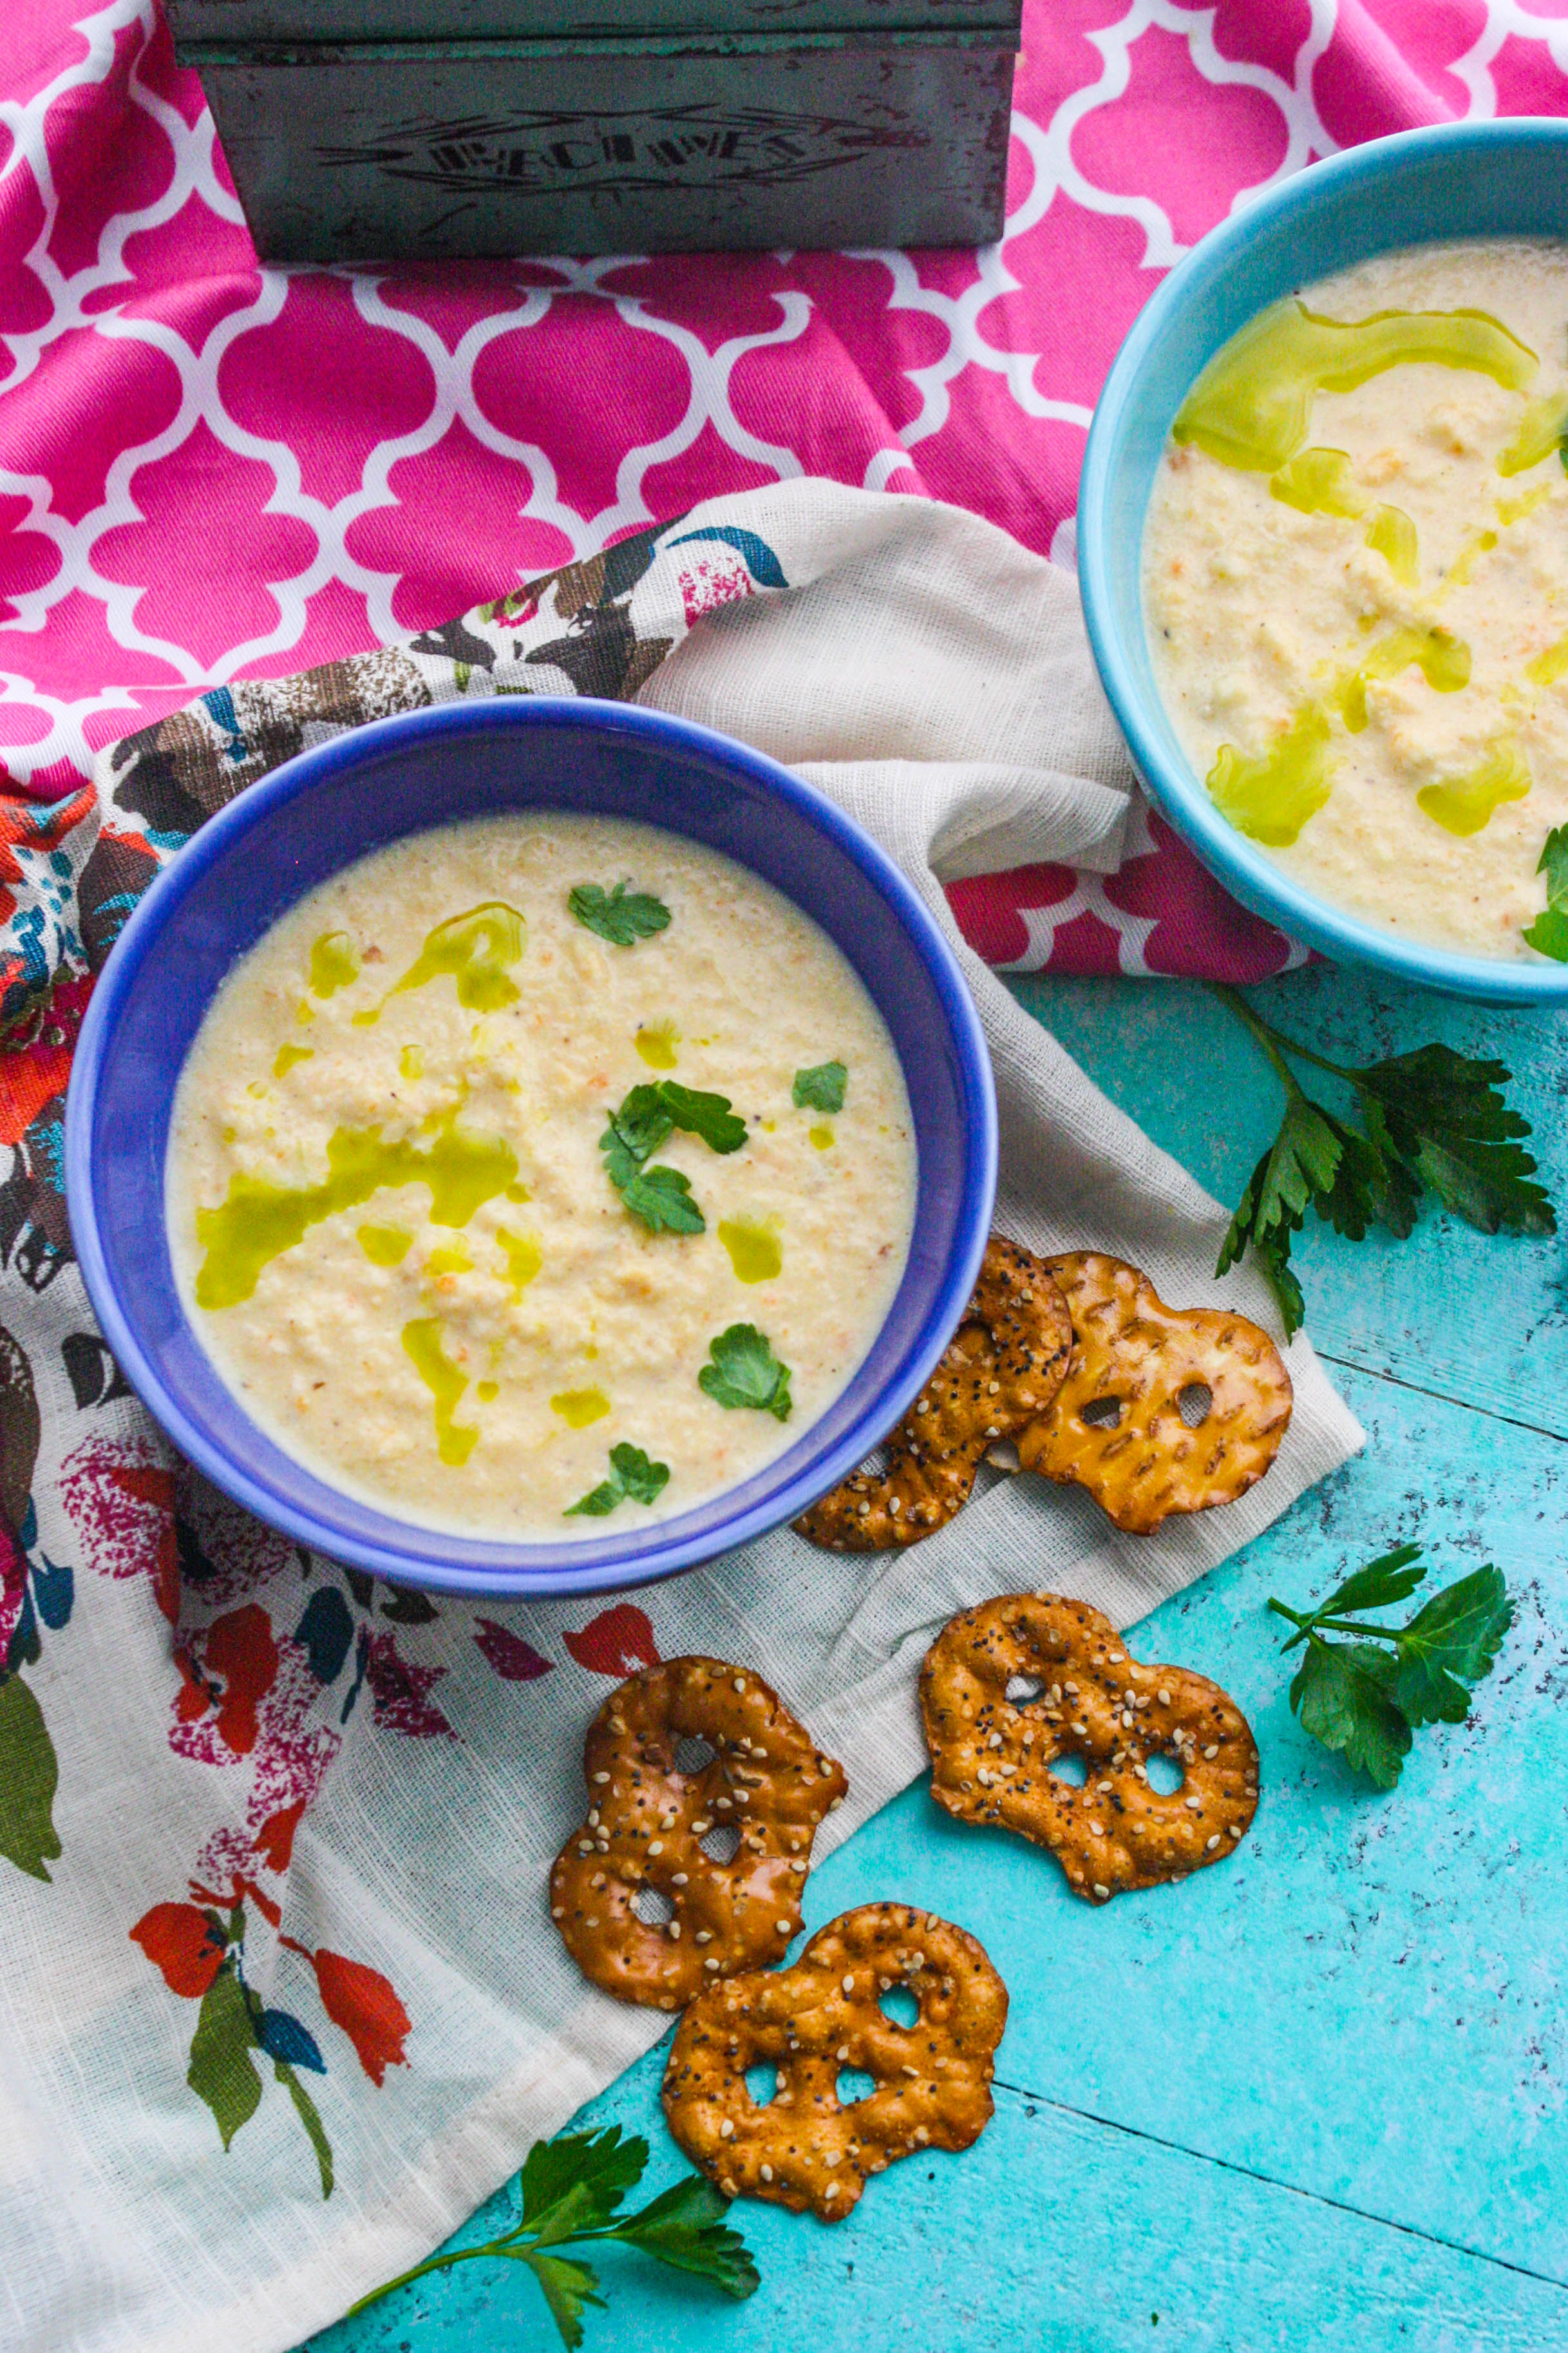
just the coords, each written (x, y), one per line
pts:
(541, 1571)
(1262, 886)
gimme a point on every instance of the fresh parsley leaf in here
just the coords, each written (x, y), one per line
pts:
(1446, 1117)
(1366, 1699)
(744, 1371)
(568, 2286)
(685, 2228)
(571, 2188)
(1549, 932)
(662, 1198)
(821, 1088)
(620, 919)
(1432, 1120)
(708, 1116)
(1340, 1694)
(631, 1474)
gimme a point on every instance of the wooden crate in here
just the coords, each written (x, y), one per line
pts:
(654, 142)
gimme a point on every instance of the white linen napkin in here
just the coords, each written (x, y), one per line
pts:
(364, 1789)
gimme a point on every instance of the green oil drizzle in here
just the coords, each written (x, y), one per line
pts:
(1252, 405)
(385, 1245)
(1318, 482)
(334, 962)
(519, 1193)
(1443, 660)
(411, 1064)
(1550, 665)
(422, 1339)
(578, 1407)
(1539, 433)
(1391, 534)
(656, 1045)
(304, 1010)
(288, 1055)
(487, 1392)
(1463, 805)
(1272, 797)
(755, 1250)
(524, 1258)
(1479, 544)
(258, 1220)
(478, 949)
(822, 1136)
(455, 1259)
(1515, 510)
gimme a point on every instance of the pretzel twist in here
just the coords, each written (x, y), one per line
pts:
(806, 2148)
(647, 1820)
(992, 1759)
(1003, 1366)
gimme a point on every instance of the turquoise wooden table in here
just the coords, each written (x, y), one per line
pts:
(1317, 2098)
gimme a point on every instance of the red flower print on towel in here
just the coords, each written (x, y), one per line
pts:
(181, 1941)
(229, 1668)
(513, 1659)
(399, 1692)
(366, 2005)
(616, 1642)
(121, 1499)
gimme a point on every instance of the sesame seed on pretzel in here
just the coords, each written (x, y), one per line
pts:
(1117, 1426)
(647, 1820)
(805, 2148)
(1000, 1370)
(991, 1755)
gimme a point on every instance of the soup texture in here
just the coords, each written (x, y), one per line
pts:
(1355, 582)
(540, 1175)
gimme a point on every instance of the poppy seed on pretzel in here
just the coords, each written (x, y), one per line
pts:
(650, 1824)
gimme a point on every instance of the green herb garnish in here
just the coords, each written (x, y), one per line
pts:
(568, 2192)
(745, 1372)
(661, 1197)
(621, 920)
(631, 1473)
(1549, 932)
(820, 1088)
(1432, 1120)
(1366, 1699)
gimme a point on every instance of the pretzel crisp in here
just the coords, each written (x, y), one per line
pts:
(647, 1820)
(1003, 1366)
(809, 2021)
(1132, 1351)
(991, 1759)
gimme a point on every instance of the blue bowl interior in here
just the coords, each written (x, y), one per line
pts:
(1464, 180)
(257, 857)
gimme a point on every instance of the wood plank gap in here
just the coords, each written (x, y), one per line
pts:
(1273, 2181)
(1443, 1396)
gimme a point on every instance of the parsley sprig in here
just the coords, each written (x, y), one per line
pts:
(1366, 1699)
(1549, 932)
(821, 1088)
(631, 1473)
(744, 1371)
(568, 2193)
(621, 918)
(1432, 1120)
(661, 1197)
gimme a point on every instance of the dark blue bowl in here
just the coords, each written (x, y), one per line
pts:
(319, 813)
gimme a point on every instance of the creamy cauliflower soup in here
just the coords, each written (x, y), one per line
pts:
(538, 1173)
(1355, 585)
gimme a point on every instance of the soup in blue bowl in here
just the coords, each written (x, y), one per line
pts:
(478, 1126)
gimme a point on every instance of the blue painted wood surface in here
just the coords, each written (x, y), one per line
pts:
(1315, 2099)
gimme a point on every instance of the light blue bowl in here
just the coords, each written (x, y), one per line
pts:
(1461, 179)
(315, 815)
